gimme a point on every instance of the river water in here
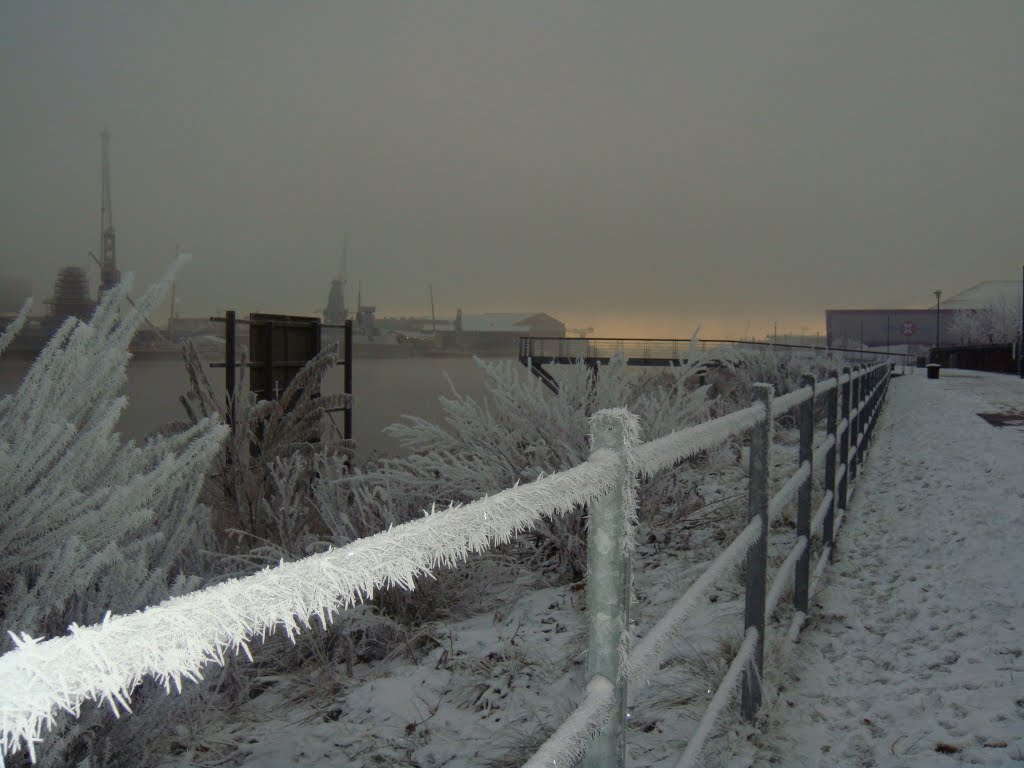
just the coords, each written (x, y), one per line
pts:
(384, 390)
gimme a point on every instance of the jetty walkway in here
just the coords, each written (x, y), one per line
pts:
(914, 653)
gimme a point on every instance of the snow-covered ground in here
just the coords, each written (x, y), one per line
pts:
(914, 651)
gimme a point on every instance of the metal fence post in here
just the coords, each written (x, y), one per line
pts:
(348, 379)
(872, 401)
(844, 444)
(803, 507)
(883, 387)
(757, 557)
(831, 421)
(881, 376)
(229, 364)
(862, 418)
(872, 405)
(608, 579)
(855, 405)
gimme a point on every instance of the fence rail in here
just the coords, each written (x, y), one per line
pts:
(565, 349)
(105, 662)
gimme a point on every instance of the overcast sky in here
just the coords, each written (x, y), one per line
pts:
(638, 167)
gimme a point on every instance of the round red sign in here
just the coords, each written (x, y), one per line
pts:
(908, 328)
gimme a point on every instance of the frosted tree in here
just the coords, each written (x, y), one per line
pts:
(90, 523)
(998, 322)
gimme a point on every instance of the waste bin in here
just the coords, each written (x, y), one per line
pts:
(933, 370)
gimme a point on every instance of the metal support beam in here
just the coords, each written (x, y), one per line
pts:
(608, 581)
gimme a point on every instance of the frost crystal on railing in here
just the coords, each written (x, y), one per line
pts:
(822, 450)
(784, 403)
(630, 442)
(567, 744)
(658, 454)
(175, 639)
(819, 516)
(841, 429)
(645, 658)
(725, 692)
(786, 493)
(784, 576)
(825, 386)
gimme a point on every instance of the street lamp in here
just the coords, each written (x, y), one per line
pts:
(938, 296)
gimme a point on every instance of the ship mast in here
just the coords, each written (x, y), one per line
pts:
(109, 273)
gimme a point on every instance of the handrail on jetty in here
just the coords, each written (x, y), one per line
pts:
(537, 351)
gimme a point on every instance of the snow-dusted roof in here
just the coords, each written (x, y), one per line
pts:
(985, 294)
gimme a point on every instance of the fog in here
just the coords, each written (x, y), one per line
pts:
(638, 168)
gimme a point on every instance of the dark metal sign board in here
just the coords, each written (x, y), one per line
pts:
(279, 346)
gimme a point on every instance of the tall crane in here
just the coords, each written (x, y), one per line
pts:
(110, 275)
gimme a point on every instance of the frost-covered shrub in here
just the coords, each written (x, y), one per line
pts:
(280, 490)
(90, 523)
(260, 482)
(519, 431)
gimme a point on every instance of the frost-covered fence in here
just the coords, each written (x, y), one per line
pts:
(853, 398)
(177, 638)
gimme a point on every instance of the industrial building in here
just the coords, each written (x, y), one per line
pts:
(495, 333)
(915, 329)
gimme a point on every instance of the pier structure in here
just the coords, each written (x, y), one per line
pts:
(535, 352)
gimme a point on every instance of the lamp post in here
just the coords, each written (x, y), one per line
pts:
(938, 297)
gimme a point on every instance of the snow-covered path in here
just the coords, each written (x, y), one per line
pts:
(913, 653)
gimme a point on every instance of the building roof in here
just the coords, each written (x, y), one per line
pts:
(985, 294)
(508, 322)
